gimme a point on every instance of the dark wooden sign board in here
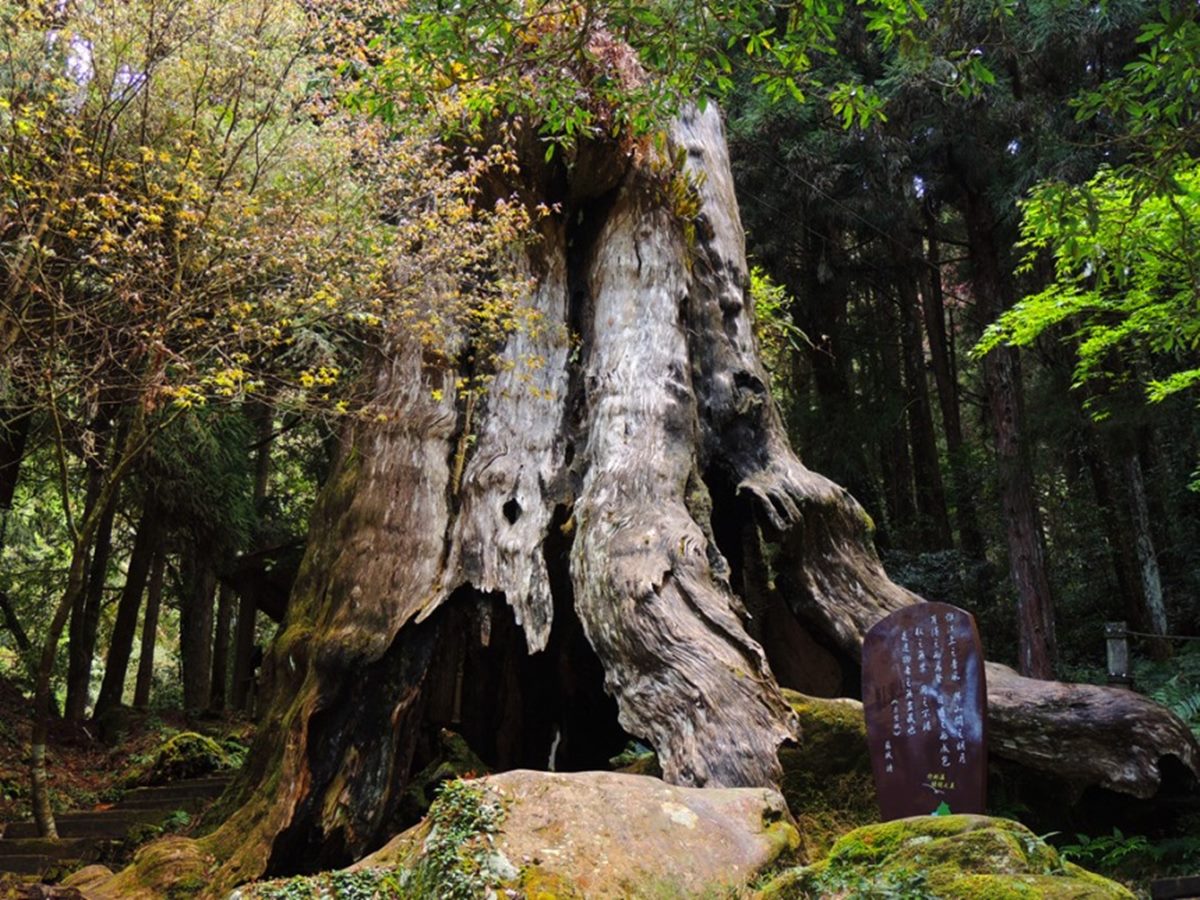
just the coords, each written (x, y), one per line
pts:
(925, 702)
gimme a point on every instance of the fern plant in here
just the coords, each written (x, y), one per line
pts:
(1182, 697)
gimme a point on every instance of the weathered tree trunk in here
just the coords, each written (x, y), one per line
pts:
(586, 508)
(120, 648)
(145, 670)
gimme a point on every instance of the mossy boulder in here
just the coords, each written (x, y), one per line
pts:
(827, 779)
(955, 857)
(589, 834)
(184, 755)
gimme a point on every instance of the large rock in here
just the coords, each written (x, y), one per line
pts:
(607, 834)
(954, 857)
(589, 835)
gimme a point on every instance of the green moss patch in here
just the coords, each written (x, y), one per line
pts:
(947, 857)
(454, 859)
(827, 779)
(184, 755)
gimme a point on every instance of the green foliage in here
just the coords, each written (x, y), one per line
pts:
(897, 884)
(456, 862)
(200, 472)
(610, 69)
(363, 884)
(1183, 699)
(1106, 853)
(1122, 245)
(183, 755)
(1126, 272)
(1175, 683)
(1154, 102)
(1135, 857)
(777, 333)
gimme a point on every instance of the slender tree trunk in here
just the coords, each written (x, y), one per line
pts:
(933, 517)
(243, 638)
(243, 653)
(822, 316)
(43, 813)
(1116, 535)
(145, 671)
(14, 433)
(933, 306)
(220, 658)
(894, 451)
(1152, 591)
(13, 624)
(196, 632)
(130, 444)
(1037, 651)
(144, 551)
(85, 619)
(24, 646)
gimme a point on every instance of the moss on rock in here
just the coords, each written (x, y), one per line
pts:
(954, 857)
(827, 779)
(172, 868)
(184, 755)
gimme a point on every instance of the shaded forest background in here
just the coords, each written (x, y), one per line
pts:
(983, 158)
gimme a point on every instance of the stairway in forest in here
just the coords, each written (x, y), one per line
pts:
(85, 835)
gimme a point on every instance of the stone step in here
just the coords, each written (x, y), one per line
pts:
(205, 790)
(1180, 888)
(109, 823)
(64, 848)
(167, 804)
(34, 864)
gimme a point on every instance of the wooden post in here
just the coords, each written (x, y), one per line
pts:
(1118, 653)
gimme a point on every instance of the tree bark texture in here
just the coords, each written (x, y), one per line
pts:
(1038, 650)
(587, 506)
(946, 381)
(85, 613)
(933, 516)
(145, 670)
(220, 656)
(895, 459)
(196, 631)
(145, 545)
(1152, 590)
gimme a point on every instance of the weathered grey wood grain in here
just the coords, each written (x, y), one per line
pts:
(686, 675)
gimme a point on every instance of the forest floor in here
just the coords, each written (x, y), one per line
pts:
(86, 773)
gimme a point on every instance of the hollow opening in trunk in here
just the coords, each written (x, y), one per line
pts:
(466, 669)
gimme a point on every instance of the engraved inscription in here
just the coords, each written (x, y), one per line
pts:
(924, 699)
